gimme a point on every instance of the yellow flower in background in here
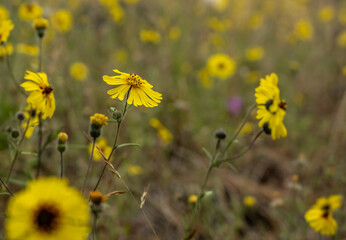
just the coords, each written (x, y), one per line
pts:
(254, 53)
(344, 71)
(30, 50)
(41, 95)
(31, 115)
(102, 144)
(204, 78)
(220, 5)
(326, 14)
(47, 209)
(303, 30)
(320, 215)
(62, 20)
(219, 25)
(134, 170)
(216, 39)
(79, 71)
(149, 36)
(164, 134)
(117, 13)
(271, 109)
(140, 91)
(249, 201)
(256, 21)
(29, 11)
(247, 129)
(174, 33)
(4, 14)
(221, 66)
(341, 40)
(342, 15)
(6, 27)
(6, 50)
(192, 198)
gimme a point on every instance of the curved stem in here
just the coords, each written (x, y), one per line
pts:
(89, 165)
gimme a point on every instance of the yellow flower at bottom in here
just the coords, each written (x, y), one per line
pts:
(320, 217)
(47, 209)
(102, 144)
(221, 65)
(140, 91)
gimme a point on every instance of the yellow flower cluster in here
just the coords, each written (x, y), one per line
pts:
(98, 119)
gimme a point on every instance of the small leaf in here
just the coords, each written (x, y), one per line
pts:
(232, 167)
(5, 193)
(207, 153)
(128, 144)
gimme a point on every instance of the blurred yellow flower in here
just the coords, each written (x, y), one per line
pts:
(29, 11)
(41, 95)
(102, 144)
(139, 90)
(134, 170)
(256, 20)
(174, 33)
(221, 66)
(149, 36)
(164, 134)
(220, 5)
(342, 15)
(320, 215)
(4, 14)
(204, 78)
(30, 50)
(219, 25)
(341, 39)
(48, 208)
(254, 54)
(303, 30)
(33, 115)
(6, 27)
(247, 129)
(271, 109)
(326, 14)
(117, 13)
(216, 40)
(192, 198)
(79, 71)
(6, 49)
(344, 71)
(62, 20)
(249, 201)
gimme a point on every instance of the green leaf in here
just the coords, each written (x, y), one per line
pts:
(207, 153)
(18, 182)
(29, 153)
(128, 144)
(5, 193)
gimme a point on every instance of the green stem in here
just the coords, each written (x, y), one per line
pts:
(5, 185)
(40, 55)
(39, 144)
(89, 165)
(93, 230)
(61, 165)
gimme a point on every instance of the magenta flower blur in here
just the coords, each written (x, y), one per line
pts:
(235, 105)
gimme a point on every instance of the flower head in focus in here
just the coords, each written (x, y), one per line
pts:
(320, 215)
(139, 90)
(41, 95)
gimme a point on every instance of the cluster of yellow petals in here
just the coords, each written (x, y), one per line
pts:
(98, 119)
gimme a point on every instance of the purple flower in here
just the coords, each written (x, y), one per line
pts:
(235, 105)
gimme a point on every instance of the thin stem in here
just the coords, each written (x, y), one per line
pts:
(5, 185)
(40, 55)
(39, 144)
(18, 149)
(239, 129)
(61, 164)
(89, 165)
(93, 230)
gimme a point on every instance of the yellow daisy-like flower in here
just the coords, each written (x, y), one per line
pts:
(254, 54)
(320, 215)
(5, 29)
(149, 36)
(271, 109)
(62, 21)
(140, 91)
(221, 66)
(33, 115)
(47, 209)
(29, 11)
(41, 95)
(102, 144)
(79, 71)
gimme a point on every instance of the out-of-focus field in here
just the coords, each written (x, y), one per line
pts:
(302, 41)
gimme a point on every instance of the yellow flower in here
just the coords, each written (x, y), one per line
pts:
(102, 144)
(62, 137)
(40, 23)
(98, 119)
(117, 13)
(41, 95)
(6, 50)
(29, 11)
(303, 30)
(164, 134)
(256, 20)
(30, 50)
(62, 20)
(149, 36)
(47, 209)
(271, 109)
(139, 90)
(192, 198)
(174, 33)
(320, 215)
(5, 29)
(326, 14)
(134, 170)
(342, 15)
(249, 201)
(341, 40)
(79, 71)
(254, 54)
(204, 78)
(33, 115)
(4, 15)
(221, 65)
(247, 129)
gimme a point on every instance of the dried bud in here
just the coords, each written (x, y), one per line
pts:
(15, 133)
(97, 198)
(220, 134)
(20, 116)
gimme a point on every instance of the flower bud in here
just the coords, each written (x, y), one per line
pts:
(96, 122)
(117, 115)
(15, 133)
(20, 116)
(266, 128)
(62, 142)
(40, 24)
(220, 134)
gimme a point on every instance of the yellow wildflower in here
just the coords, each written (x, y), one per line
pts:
(5, 29)
(192, 198)
(149, 36)
(102, 144)
(164, 134)
(341, 40)
(117, 13)
(79, 71)
(247, 129)
(139, 90)
(47, 209)
(326, 14)
(254, 54)
(134, 170)
(4, 15)
(320, 215)
(62, 137)
(303, 30)
(41, 95)
(30, 50)
(219, 25)
(6, 50)
(249, 201)
(62, 20)
(98, 119)
(29, 11)
(221, 66)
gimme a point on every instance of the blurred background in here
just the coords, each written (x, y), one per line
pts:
(172, 44)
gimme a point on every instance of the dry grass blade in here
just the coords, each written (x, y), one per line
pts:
(144, 196)
(115, 193)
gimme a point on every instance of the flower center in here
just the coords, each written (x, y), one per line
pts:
(47, 90)
(283, 105)
(221, 65)
(134, 80)
(30, 8)
(46, 218)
